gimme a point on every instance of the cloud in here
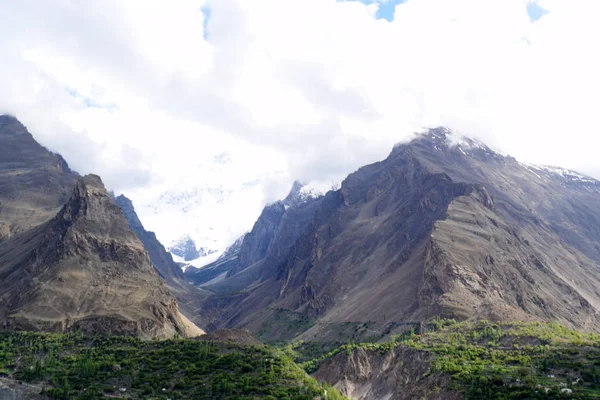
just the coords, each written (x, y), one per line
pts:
(326, 85)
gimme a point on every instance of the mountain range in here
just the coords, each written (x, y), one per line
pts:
(207, 207)
(444, 226)
(444, 229)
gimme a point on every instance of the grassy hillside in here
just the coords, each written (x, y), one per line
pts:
(71, 366)
(494, 361)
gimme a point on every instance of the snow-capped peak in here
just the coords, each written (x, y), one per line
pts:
(317, 189)
(301, 193)
(214, 200)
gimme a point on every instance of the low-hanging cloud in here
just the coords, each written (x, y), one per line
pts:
(323, 83)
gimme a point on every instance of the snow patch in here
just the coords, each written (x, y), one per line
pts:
(567, 175)
(178, 259)
(316, 189)
(203, 261)
(466, 144)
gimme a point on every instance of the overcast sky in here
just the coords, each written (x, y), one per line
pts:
(135, 90)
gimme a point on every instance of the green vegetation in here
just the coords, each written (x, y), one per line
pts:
(516, 360)
(72, 366)
(284, 324)
(499, 360)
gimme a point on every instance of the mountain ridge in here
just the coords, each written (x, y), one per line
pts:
(75, 265)
(460, 228)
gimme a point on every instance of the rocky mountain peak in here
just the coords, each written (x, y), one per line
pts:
(68, 257)
(186, 248)
(6, 120)
(127, 207)
(91, 207)
(465, 231)
(87, 269)
(294, 193)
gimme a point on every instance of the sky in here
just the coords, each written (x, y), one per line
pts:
(139, 90)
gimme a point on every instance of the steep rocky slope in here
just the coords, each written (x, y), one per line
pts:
(467, 360)
(161, 259)
(85, 269)
(441, 227)
(68, 257)
(275, 230)
(34, 182)
(188, 296)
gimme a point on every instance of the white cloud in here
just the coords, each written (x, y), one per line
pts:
(321, 83)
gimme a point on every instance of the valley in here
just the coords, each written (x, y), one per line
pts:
(445, 271)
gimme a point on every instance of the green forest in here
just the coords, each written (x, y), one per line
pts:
(72, 366)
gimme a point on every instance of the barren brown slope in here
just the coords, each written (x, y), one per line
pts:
(50, 253)
(403, 240)
(85, 269)
(34, 182)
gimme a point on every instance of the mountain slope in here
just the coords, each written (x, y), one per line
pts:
(186, 294)
(161, 259)
(216, 198)
(85, 269)
(438, 228)
(34, 182)
(68, 257)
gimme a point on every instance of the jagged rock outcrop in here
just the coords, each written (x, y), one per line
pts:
(234, 249)
(85, 269)
(276, 229)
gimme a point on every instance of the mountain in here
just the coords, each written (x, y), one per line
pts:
(161, 260)
(188, 296)
(34, 182)
(214, 201)
(255, 245)
(75, 266)
(186, 249)
(234, 249)
(444, 226)
(217, 270)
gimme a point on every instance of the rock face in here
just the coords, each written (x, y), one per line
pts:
(161, 259)
(85, 269)
(186, 249)
(13, 390)
(234, 249)
(75, 266)
(401, 374)
(34, 182)
(186, 294)
(440, 227)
